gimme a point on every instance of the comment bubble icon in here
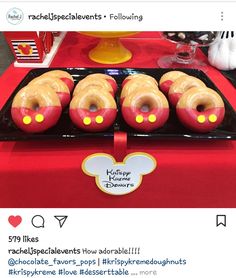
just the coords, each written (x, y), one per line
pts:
(38, 221)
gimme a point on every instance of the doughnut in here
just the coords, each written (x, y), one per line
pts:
(135, 84)
(145, 111)
(168, 78)
(181, 85)
(100, 83)
(107, 77)
(93, 109)
(57, 85)
(63, 75)
(141, 76)
(36, 108)
(200, 109)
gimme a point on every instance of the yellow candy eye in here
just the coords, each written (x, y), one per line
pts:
(39, 118)
(27, 120)
(201, 119)
(152, 118)
(212, 118)
(99, 119)
(87, 121)
(139, 119)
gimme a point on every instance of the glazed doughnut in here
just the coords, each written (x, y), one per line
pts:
(93, 109)
(36, 108)
(63, 75)
(181, 85)
(145, 111)
(57, 85)
(140, 76)
(135, 84)
(107, 77)
(168, 78)
(98, 82)
(200, 109)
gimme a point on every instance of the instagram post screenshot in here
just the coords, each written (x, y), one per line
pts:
(117, 139)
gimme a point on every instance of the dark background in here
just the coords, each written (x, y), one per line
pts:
(6, 56)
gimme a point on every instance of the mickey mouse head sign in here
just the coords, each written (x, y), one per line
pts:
(118, 178)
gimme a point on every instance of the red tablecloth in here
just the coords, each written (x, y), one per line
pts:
(48, 174)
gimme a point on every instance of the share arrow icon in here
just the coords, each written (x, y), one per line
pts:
(61, 219)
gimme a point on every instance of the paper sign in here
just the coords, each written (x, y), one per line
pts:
(118, 178)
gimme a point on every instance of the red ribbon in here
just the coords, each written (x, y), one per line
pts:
(120, 145)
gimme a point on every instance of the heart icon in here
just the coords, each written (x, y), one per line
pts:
(14, 220)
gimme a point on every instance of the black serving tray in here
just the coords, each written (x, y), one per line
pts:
(65, 129)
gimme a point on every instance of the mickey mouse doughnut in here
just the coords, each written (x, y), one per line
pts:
(200, 109)
(181, 85)
(56, 84)
(168, 78)
(93, 109)
(135, 84)
(145, 110)
(63, 75)
(98, 82)
(141, 76)
(106, 77)
(36, 108)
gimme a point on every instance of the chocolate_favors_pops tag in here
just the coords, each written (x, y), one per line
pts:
(118, 178)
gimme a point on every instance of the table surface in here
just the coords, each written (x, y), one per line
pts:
(48, 174)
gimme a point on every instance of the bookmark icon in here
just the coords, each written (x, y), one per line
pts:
(221, 220)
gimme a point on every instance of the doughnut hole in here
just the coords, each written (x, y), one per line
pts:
(35, 106)
(33, 103)
(93, 107)
(203, 104)
(145, 108)
(145, 105)
(200, 108)
(93, 104)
